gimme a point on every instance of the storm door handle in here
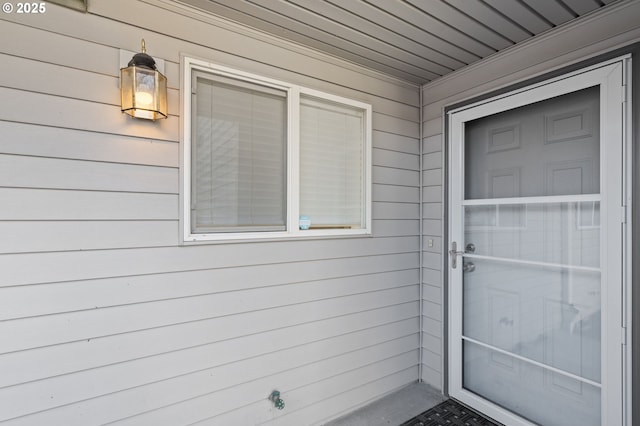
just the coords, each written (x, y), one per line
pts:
(453, 253)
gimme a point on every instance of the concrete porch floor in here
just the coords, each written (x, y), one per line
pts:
(393, 409)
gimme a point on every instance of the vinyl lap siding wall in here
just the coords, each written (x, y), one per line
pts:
(578, 41)
(104, 318)
(432, 246)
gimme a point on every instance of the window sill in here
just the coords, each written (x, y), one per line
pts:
(252, 237)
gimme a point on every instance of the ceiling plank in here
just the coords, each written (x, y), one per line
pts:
(582, 6)
(521, 14)
(428, 23)
(374, 36)
(414, 40)
(306, 34)
(455, 18)
(551, 10)
(398, 32)
(390, 15)
(492, 19)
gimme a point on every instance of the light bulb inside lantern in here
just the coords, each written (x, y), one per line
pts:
(144, 99)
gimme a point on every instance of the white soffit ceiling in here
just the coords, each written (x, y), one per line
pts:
(414, 40)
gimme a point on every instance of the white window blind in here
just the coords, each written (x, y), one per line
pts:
(238, 156)
(331, 163)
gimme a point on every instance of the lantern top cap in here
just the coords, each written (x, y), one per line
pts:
(142, 59)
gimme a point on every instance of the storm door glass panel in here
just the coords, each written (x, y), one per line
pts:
(531, 284)
(546, 148)
(238, 156)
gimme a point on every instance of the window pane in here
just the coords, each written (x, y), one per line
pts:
(331, 163)
(238, 157)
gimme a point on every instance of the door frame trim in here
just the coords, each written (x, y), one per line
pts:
(626, 276)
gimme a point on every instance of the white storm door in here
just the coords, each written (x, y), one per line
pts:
(536, 256)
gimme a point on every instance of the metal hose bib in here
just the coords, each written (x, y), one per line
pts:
(277, 401)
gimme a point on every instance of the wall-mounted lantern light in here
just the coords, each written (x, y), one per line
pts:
(143, 89)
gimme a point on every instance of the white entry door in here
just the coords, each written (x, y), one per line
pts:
(537, 229)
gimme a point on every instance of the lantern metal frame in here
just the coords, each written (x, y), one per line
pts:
(143, 89)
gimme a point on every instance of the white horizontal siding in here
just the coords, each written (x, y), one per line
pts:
(30, 204)
(86, 294)
(54, 79)
(57, 111)
(44, 236)
(130, 375)
(54, 142)
(138, 346)
(71, 266)
(384, 174)
(55, 173)
(98, 321)
(105, 318)
(585, 38)
(305, 382)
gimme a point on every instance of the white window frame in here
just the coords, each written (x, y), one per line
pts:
(293, 231)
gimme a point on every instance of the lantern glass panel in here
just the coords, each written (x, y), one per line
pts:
(143, 93)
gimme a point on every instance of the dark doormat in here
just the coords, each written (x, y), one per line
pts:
(450, 413)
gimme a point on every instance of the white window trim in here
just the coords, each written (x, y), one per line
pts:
(293, 171)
